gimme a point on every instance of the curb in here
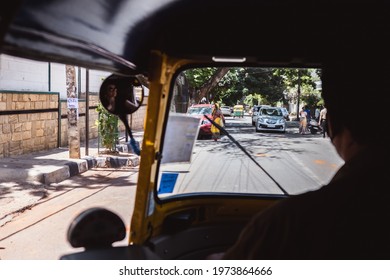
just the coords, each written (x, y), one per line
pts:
(32, 189)
(75, 167)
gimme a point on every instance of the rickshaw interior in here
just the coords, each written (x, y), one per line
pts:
(192, 199)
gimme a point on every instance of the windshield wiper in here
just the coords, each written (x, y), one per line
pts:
(246, 152)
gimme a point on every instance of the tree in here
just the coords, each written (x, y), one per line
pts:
(248, 85)
(232, 85)
(264, 84)
(204, 80)
(230, 90)
(300, 86)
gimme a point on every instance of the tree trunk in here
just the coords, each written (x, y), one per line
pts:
(73, 113)
(214, 80)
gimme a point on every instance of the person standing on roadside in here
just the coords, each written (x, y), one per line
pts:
(317, 114)
(308, 114)
(302, 121)
(323, 122)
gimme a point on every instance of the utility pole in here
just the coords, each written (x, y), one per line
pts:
(86, 112)
(299, 93)
(73, 112)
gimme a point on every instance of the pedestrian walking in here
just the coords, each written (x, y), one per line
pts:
(219, 119)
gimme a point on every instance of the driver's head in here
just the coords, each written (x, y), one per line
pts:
(356, 92)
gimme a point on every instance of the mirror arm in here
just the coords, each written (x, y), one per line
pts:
(133, 143)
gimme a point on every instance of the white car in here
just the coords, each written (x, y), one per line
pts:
(270, 119)
(226, 110)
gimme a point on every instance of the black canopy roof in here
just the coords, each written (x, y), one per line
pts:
(118, 35)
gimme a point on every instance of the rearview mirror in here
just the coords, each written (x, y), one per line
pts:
(121, 96)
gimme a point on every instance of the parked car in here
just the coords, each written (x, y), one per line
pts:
(226, 110)
(270, 119)
(199, 111)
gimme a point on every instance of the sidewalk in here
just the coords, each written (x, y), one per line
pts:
(24, 179)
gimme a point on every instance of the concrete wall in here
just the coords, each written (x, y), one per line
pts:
(18, 74)
(32, 125)
(35, 121)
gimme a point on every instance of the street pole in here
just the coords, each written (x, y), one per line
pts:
(299, 93)
(73, 112)
(87, 112)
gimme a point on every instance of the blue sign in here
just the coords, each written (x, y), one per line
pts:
(167, 183)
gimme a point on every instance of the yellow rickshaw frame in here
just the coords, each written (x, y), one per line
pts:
(148, 216)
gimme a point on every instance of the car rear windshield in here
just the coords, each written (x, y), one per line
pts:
(199, 111)
(271, 112)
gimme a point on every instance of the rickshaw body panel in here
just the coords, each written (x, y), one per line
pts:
(238, 111)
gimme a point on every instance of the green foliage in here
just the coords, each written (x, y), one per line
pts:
(264, 82)
(197, 77)
(253, 85)
(293, 77)
(230, 90)
(311, 100)
(304, 79)
(108, 128)
(234, 88)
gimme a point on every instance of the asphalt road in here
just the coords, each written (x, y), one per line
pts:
(296, 162)
(39, 233)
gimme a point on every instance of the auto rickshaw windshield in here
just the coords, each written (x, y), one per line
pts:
(190, 165)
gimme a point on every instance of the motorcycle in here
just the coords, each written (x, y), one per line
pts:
(314, 127)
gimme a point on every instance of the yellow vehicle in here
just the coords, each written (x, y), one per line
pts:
(238, 111)
(192, 199)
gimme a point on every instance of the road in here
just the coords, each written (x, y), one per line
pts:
(40, 233)
(303, 162)
(295, 162)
